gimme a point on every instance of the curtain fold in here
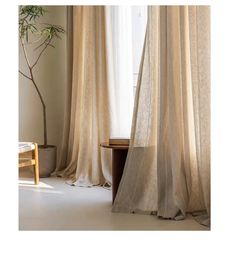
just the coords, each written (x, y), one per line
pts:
(63, 152)
(87, 164)
(168, 165)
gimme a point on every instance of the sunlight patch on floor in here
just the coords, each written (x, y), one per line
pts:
(42, 187)
(30, 183)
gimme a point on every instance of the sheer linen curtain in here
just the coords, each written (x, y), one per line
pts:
(63, 151)
(120, 69)
(89, 122)
(100, 104)
(167, 171)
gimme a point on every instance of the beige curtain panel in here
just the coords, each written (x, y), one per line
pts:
(63, 148)
(167, 171)
(85, 162)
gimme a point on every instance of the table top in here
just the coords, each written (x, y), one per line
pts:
(113, 146)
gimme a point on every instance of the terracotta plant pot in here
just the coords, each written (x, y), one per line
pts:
(47, 160)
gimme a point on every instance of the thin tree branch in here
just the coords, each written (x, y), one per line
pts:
(25, 75)
(41, 53)
(41, 44)
(35, 41)
(25, 54)
(37, 89)
(44, 110)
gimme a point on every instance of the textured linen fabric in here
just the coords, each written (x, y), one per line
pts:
(87, 163)
(167, 171)
(63, 151)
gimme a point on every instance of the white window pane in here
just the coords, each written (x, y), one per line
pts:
(139, 23)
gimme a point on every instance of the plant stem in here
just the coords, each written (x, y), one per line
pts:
(25, 75)
(25, 53)
(45, 47)
(38, 92)
(44, 109)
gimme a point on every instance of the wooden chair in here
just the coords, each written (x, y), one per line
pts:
(28, 156)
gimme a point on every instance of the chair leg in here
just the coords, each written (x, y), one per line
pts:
(36, 166)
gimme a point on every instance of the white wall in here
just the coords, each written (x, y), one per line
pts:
(52, 80)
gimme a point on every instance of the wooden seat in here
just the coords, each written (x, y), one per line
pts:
(28, 156)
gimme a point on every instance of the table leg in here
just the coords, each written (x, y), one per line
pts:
(118, 163)
(36, 166)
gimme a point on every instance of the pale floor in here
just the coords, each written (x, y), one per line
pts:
(54, 205)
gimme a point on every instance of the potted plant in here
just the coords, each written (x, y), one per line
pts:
(40, 37)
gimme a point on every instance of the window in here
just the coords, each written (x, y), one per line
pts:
(125, 32)
(139, 23)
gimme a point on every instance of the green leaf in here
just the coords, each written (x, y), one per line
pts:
(29, 25)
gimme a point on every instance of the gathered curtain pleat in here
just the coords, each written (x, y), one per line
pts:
(63, 151)
(167, 170)
(86, 162)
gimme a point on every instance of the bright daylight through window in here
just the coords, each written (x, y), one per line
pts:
(125, 27)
